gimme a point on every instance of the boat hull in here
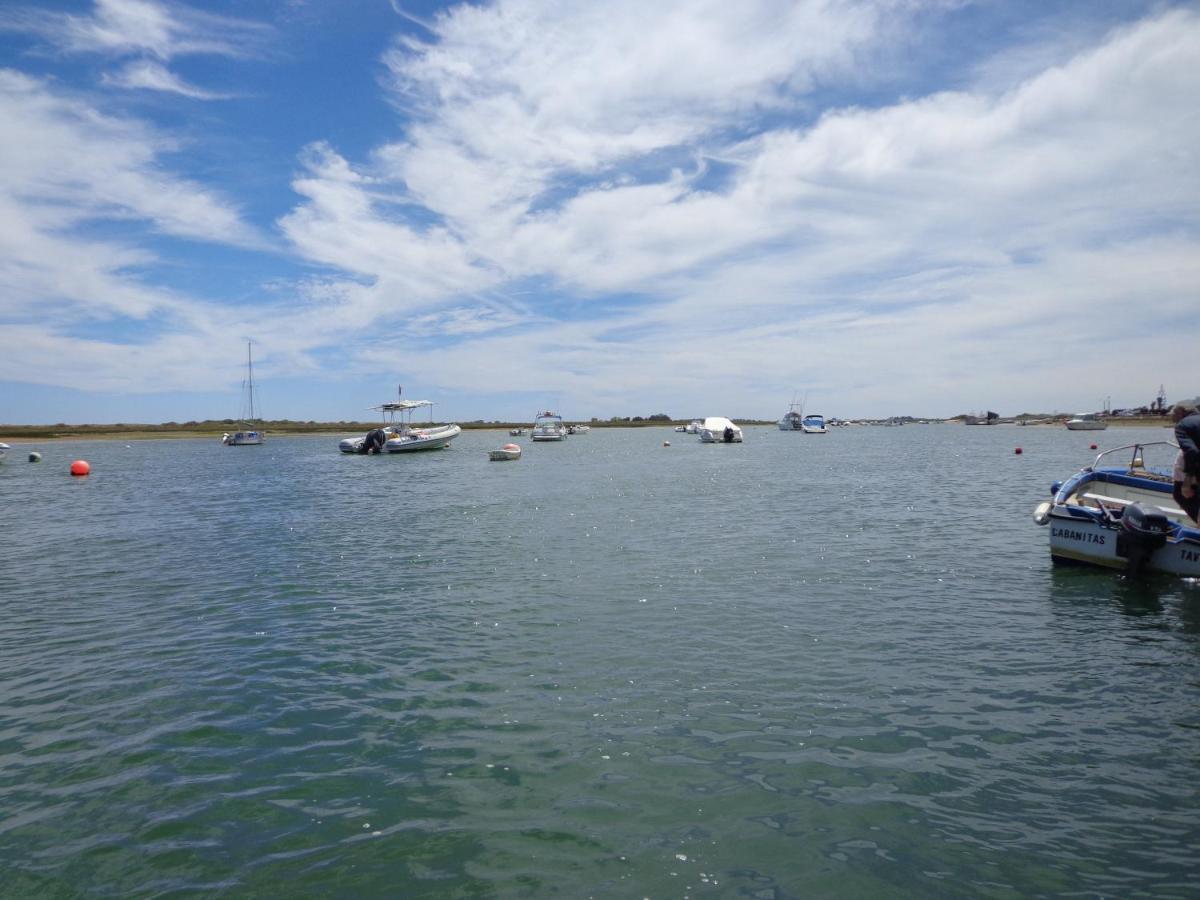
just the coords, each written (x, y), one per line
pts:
(245, 439)
(1086, 425)
(1076, 539)
(423, 439)
(504, 454)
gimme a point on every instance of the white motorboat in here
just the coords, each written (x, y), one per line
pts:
(1122, 516)
(681, 428)
(693, 427)
(813, 424)
(508, 451)
(578, 429)
(399, 435)
(1086, 422)
(548, 426)
(516, 432)
(719, 430)
(246, 436)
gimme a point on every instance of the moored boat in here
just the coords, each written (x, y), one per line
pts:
(719, 430)
(813, 424)
(246, 436)
(1122, 516)
(4, 448)
(548, 426)
(1086, 422)
(508, 451)
(398, 435)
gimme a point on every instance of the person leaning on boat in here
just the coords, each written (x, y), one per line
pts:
(1187, 464)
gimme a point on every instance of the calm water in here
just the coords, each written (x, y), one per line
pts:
(835, 666)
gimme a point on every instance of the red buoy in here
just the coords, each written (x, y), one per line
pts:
(1093, 447)
(80, 467)
(1017, 451)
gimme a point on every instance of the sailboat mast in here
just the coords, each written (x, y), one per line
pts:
(250, 379)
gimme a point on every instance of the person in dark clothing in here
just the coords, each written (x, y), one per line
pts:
(1187, 465)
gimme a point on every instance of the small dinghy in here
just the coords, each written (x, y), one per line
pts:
(508, 451)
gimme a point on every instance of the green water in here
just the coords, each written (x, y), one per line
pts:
(804, 666)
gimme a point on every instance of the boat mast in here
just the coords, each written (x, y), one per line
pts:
(250, 379)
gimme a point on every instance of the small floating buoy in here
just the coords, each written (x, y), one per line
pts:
(1017, 451)
(666, 443)
(80, 467)
(35, 456)
(1092, 447)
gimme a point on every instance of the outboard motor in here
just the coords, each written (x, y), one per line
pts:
(373, 442)
(1142, 532)
(727, 435)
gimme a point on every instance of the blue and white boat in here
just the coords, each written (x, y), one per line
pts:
(1122, 516)
(813, 424)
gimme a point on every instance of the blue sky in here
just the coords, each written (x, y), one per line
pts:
(618, 208)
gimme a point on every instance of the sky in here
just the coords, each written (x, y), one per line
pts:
(618, 208)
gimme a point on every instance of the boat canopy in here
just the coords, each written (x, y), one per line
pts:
(402, 405)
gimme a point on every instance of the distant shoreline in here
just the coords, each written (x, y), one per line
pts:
(141, 432)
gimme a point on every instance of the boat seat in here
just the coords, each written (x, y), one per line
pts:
(1117, 501)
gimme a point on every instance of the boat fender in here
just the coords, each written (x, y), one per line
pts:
(1041, 515)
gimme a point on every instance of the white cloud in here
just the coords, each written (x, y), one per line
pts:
(152, 33)
(945, 222)
(153, 76)
(66, 172)
(626, 202)
(139, 27)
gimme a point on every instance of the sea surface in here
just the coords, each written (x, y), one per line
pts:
(803, 666)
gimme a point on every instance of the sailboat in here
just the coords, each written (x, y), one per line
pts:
(246, 436)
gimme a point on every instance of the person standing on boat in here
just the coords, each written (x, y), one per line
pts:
(1187, 464)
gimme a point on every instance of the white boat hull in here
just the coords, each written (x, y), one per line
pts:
(423, 439)
(1086, 425)
(507, 452)
(1077, 540)
(813, 429)
(719, 430)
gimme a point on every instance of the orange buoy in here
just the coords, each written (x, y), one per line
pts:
(1017, 451)
(80, 467)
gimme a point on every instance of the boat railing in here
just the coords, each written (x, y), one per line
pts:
(1137, 456)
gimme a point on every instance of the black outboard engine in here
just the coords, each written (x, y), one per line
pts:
(727, 435)
(373, 442)
(1142, 532)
